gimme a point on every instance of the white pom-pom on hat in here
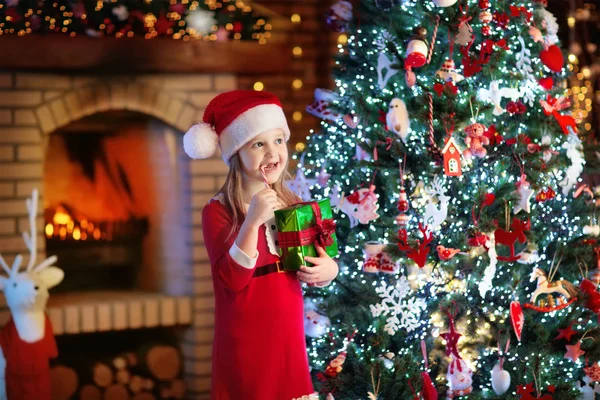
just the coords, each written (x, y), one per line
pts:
(200, 141)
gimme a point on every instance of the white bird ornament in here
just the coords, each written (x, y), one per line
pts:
(397, 118)
(495, 94)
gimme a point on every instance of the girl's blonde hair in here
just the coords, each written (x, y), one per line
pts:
(233, 191)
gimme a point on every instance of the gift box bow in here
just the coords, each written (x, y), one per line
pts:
(321, 232)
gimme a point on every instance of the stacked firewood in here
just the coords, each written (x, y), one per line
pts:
(152, 374)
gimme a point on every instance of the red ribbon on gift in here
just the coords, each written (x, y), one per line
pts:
(322, 232)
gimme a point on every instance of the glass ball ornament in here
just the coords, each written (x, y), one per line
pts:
(484, 4)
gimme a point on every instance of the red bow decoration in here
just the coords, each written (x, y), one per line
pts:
(322, 232)
(517, 11)
(438, 88)
(502, 20)
(552, 106)
(536, 148)
(325, 230)
(354, 198)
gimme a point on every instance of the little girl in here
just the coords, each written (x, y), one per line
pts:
(259, 349)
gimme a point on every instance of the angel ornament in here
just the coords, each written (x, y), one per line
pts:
(495, 94)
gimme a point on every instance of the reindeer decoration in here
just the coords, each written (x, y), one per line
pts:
(565, 290)
(27, 341)
(418, 255)
(434, 214)
(510, 237)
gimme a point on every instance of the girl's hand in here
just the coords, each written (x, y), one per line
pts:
(262, 206)
(325, 269)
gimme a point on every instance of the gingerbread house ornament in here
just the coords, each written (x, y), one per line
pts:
(451, 152)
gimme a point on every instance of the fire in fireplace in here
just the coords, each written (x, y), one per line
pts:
(104, 178)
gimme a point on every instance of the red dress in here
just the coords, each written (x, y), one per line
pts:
(259, 349)
(27, 364)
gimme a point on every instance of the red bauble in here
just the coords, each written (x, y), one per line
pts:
(552, 58)
(486, 30)
(484, 4)
(403, 205)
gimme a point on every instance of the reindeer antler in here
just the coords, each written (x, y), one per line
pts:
(418, 255)
(30, 239)
(4, 265)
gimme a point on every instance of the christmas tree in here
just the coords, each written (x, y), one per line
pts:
(468, 255)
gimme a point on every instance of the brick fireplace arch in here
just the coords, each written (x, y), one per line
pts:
(32, 106)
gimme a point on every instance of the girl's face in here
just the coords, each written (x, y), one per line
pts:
(267, 149)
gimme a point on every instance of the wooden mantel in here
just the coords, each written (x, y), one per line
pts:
(137, 55)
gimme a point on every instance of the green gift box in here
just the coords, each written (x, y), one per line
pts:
(299, 227)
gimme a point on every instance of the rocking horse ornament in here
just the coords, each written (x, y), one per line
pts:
(565, 293)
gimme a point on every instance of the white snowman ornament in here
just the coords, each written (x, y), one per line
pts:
(460, 379)
(315, 324)
(397, 119)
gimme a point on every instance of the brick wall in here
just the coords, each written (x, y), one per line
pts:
(32, 106)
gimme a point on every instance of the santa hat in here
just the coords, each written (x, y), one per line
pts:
(231, 120)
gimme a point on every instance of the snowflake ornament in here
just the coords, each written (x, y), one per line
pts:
(523, 63)
(402, 311)
(549, 22)
(574, 150)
